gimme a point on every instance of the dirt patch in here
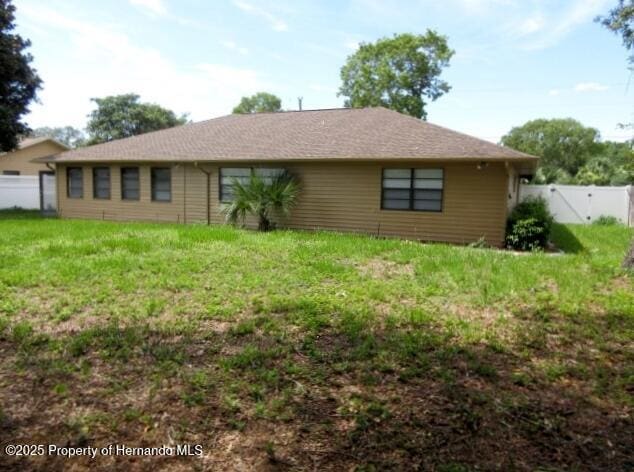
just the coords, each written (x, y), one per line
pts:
(384, 269)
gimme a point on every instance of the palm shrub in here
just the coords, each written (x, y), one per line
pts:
(262, 198)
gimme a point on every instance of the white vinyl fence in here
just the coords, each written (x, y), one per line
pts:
(584, 204)
(22, 191)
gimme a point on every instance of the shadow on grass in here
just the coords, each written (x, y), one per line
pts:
(351, 399)
(20, 214)
(564, 239)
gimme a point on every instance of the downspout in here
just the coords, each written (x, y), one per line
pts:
(184, 194)
(208, 174)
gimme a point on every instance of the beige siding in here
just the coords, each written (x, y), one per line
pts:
(334, 196)
(179, 210)
(20, 160)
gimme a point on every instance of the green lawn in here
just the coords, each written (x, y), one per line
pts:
(314, 351)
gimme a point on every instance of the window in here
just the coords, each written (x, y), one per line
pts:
(130, 183)
(228, 176)
(75, 182)
(101, 182)
(412, 189)
(10, 172)
(161, 184)
(242, 175)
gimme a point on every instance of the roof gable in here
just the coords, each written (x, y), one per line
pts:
(30, 142)
(347, 133)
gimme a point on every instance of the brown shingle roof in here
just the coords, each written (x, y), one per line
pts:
(367, 133)
(28, 142)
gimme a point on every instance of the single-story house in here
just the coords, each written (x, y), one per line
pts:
(369, 170)
(20, 161)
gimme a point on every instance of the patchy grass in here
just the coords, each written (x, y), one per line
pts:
(314, 351)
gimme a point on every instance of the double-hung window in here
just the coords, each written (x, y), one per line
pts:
(101, 182)
(229, 175)
(130, 188)
(75, 182)
(412, 189)
(161, 184)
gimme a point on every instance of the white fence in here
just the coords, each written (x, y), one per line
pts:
(22, 191)
(584, 204)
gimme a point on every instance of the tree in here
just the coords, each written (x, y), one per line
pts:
(19, 82)
(612, 165)
(122, 116)
(258, 103)
(262, 198)
(397, 73)
(620, 20)
(564, 145)
(71, 137)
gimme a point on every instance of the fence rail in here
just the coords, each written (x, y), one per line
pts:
(21, 191)
(584, 204)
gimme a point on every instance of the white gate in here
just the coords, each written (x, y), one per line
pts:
(20, 191)
(584, 204)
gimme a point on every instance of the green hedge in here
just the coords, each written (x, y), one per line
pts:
(529, 225)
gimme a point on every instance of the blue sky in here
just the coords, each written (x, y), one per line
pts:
(515, 60)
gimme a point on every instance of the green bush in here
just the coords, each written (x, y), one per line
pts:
(606, 220)
(529, 225)
(527, 235)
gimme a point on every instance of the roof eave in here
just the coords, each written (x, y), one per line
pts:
(526, 158)
(44, 159)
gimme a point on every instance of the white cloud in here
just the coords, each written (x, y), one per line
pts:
(581, 87)
(276, 23)
(103, 61)
(151, 7)
(234, 47)
(531, 25)
(590, 87)
(540, 35)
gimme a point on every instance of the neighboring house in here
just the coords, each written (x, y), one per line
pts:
(366, 170)
(19, 162)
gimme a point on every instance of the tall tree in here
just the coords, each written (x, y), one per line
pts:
(397, 73)
(71, 137)
(613, 164)
(258, 103)
(19, 82)
(564, 146)
(620, 20)
(122, 116)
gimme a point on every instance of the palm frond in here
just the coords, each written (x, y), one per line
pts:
(262, 198)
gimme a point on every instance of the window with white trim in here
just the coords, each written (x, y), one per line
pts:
(229, 175)
(412, 189)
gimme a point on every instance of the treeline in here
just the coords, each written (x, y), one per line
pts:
(572, 153)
